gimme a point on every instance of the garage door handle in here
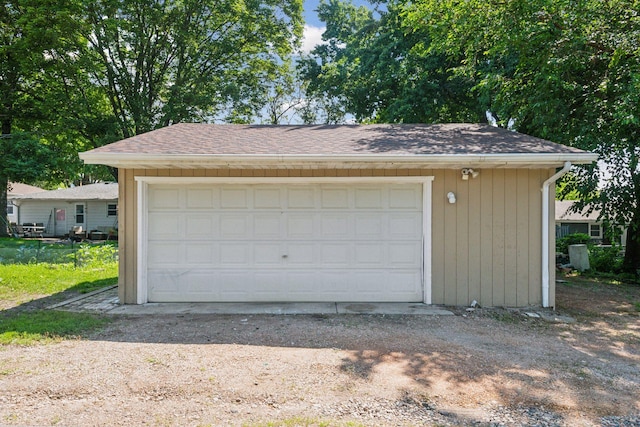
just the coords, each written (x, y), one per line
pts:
(285, 256)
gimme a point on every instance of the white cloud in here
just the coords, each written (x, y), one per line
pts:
(312, 36)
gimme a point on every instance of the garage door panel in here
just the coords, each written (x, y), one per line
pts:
(405, 198)
(369, 255)
(165, 225)
(164, 198)
(235, 286)
(199, 282)
(267, 225)
(404, 254)
(240, 285)
(336, 254)
(325, 242)
(200, 253)
(299, 254)
(334, 198)
(301, 284)
(235, 226)
(268, 254)
(368, 198)
(267, 198)
(200, 198)
(369, 226)
(163, 282)
(235, 255)
(165, 253)
(300, 225)
(234, 198)
(404, 225)
(200, 226)
(302, 197)
(335, 226)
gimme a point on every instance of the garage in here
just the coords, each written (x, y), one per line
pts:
(322, 240)
(433, 213)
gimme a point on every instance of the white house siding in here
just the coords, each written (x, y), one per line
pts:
(13, 216)
(43, 211)
(34, 211)
(96, 215)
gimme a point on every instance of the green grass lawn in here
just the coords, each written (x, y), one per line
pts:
(20, 283)
(47, 326)
(23, 322)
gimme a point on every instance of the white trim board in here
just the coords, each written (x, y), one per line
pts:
(143, 183)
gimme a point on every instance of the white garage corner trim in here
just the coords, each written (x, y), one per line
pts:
(143, 237)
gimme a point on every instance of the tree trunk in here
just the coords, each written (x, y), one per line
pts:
(4, 224)
(631, 262)
(4, 179)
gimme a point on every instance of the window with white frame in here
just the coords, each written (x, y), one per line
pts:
(595, 231)
(9, 209)
(112, 209)
(79, 214)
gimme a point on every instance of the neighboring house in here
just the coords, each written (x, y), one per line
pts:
(92, 207)
(18, 189)
(569, 222)
(440, 214)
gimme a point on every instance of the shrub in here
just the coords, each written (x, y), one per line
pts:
(605, 259)
(95, 255)
(562, 244)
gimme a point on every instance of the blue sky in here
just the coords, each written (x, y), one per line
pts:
(310, 16)
(313, 26)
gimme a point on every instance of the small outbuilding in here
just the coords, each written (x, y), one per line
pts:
(436, 214)
(84, 208)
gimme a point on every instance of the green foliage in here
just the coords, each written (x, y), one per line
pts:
(382, 70)
(164, 62)
(21, 251)
(605, 259)
(561, 70)
(556, 69)
(46, 326)
(95, 255)
(562, 244)
(79, 74)
(566, 188)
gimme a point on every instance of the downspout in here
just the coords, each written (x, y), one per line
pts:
(545, 231)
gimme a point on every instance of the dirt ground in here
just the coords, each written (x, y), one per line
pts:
(486, 367)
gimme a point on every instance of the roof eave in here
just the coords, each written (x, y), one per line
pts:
(153, 161)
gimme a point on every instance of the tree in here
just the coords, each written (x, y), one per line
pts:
(29, 31)
(164, 62)
(561, 70)
(384, 71)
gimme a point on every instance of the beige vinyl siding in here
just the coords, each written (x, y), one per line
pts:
(485, 247)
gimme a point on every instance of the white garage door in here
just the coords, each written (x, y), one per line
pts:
(317, 242)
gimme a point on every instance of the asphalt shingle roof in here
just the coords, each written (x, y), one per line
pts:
(385, 139)
(18, 188)
(99, 191)
(563, 212)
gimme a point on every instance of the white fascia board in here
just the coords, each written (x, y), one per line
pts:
(132, 161)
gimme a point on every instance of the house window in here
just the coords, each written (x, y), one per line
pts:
(573, 228)
(9, 209)
(594, 231)
(112, 209)
(79, 214)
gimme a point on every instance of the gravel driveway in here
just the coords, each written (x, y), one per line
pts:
(486, 367)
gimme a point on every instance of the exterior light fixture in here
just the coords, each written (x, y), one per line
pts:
(452, 197)
(466, 172)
